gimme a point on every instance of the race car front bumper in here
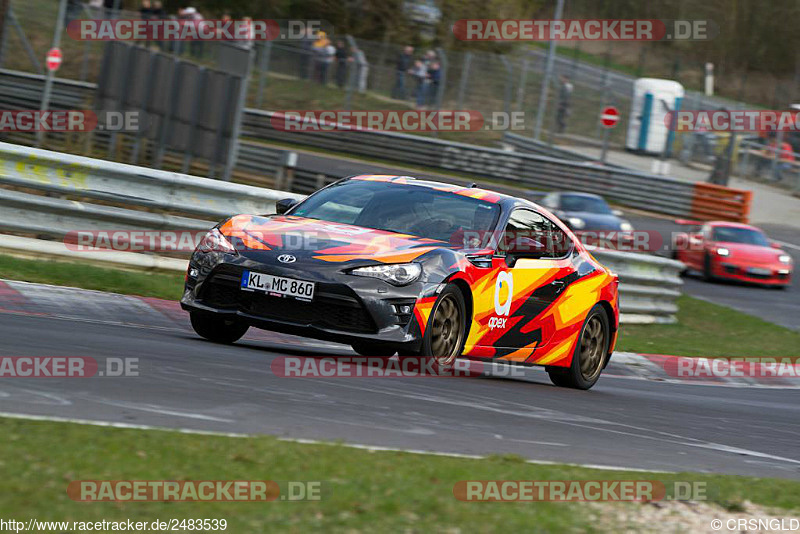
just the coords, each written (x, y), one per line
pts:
(767, 274)
(345, 308)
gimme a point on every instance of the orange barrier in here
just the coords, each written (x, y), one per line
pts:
(719, 203)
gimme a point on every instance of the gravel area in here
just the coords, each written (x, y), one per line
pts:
(688, 517)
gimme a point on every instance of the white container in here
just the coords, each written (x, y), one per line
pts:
(652, 98)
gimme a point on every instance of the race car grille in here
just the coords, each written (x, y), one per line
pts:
(219, 294)
(321, 312)
(334, 310)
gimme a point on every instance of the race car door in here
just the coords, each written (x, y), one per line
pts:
(534, 265)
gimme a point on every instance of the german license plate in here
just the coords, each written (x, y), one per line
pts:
(759, 271)
(278, 286)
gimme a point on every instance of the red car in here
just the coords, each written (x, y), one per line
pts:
(735, 251)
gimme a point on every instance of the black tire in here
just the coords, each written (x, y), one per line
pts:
(446, 331)
(707, 274)
(590, 353)
(218, 329)
(366, 348)
(558, 376)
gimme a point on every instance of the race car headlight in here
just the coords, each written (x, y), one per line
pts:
(722, 251)
(625, 226)
(576, 222)
(785, 258)
(398, 274)
(214, 241)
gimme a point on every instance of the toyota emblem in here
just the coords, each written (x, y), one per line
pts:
(286, 258)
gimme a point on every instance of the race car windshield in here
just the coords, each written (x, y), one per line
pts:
(739, 235)
(584, 204)
(408, 209)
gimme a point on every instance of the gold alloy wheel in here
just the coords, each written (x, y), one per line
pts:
(448, 331)
(593, 343)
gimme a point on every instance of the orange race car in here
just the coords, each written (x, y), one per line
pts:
(392, 264)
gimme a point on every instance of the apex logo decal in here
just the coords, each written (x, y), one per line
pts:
(504, 278)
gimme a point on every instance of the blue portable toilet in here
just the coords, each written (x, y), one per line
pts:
(647, 129)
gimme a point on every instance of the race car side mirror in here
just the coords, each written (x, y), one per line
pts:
(284, 205)
(775, 244)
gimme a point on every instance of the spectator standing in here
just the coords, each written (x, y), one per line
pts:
(785, 156)
(321, 57)
(328, 57)
(158, 13)
(341, 63)
(564, 103)
(435, 76)
(146, 10)
(420, 74)
(363, 69)
(146, 13)
(249, 33)
(192, 16)
(74, 10)
(401, 68)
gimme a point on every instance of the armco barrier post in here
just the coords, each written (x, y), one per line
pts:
(442, 76)
(508, 86)
(5, 15)
(241, 103)
(522, 80)
(264, 54)
(352, 80)
(462, 84)
(285, 175)
(548, 72)
(48, 84)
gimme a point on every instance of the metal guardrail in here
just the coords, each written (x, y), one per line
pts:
(530, 145)
(623, 186)
(56, 217)
(139, 187)
(648, 284)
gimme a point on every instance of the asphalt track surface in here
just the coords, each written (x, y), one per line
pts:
(777, 306)
(186, 382)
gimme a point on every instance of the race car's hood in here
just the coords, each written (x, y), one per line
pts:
(313, 239)
(751, 253)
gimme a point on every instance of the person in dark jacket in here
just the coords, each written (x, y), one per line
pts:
(341, 64)
(434, 76)
(404, 62)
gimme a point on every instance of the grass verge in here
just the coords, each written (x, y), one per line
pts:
(703, 329)
(64, 273)
(361, 490)
(707, 329)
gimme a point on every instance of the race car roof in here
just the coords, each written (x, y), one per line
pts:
(472, 192)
